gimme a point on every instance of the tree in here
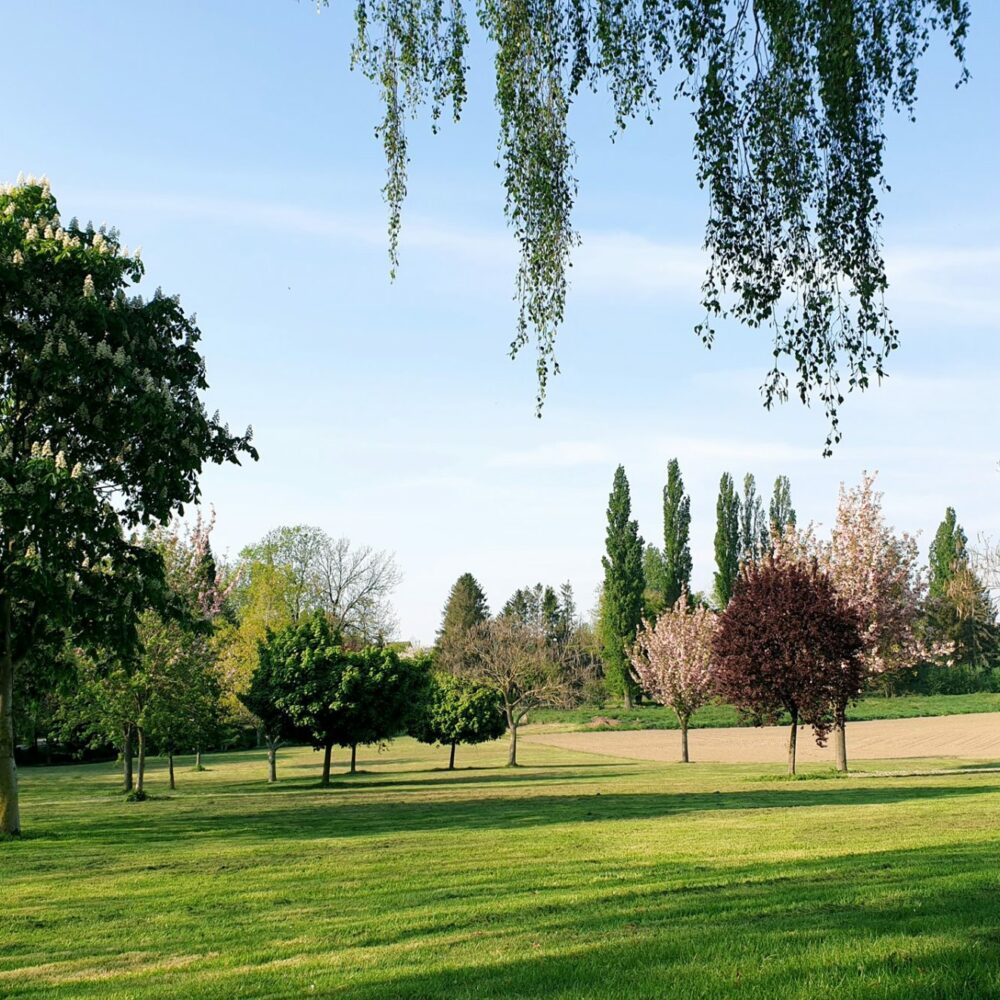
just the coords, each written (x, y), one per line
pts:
(263, 698)
(102, 428)
(621, 608)
(755, 538)
(781, 512)
(514, 660)
(727, 540)
(877, 574)
(456, 711)
(465, 608)
(352, 584)
(673, 659)
(948, 553)
(789, 104)
(676, 536)
(540, 607)
(786, 642)
(655, 577)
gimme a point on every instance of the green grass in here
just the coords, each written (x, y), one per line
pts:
(658, 717)
(576, 876)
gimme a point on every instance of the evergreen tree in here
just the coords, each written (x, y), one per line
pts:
(621, 610)
(676, 536)
(754, 535)
(727, 540)
(466, 607)
(947, 553)
(782, 513)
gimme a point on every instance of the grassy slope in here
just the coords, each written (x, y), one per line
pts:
(657, 717)
(575, 876)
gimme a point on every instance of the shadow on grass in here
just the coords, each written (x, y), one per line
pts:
(284, 814)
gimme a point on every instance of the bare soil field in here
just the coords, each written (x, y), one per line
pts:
(976, 737)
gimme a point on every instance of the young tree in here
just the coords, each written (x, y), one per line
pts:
(516, 661)
(786, 642)
(673, 660)
(727, 540)
(456, 711)
(789, 103)
(98, 389)
(948, 553)
(676, 536)
(781, 513)
(621, 607)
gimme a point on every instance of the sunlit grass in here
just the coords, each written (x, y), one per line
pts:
(573, 876)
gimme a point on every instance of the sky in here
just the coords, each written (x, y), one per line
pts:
(233, 143)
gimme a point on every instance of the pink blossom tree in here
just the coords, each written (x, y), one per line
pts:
(672, 660)
(877, 573)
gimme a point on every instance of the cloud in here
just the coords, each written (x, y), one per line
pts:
(561, 454)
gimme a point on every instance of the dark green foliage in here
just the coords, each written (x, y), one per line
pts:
(102, 428)
(465, 608)
(540, 607)
(621, 601)
(676, 536)
(654, 575)
(455, 710)
(727, 540)
(788, 100)
(781, 512)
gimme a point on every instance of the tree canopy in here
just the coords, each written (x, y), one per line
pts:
(789, 102)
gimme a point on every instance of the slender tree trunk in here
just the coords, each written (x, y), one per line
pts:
(451, 759)
(141, 774)
(128, 781)
(327, 754)
(354, 758)
(793, 735)
(197, 759)
(628, 695)
(840, 737)
(684, 741)
(272, 763)
(512, 752)
(170, 765)
(10, 818)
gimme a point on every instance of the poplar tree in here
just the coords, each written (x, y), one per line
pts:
(621, 606)
(947, 553)
(781, 511)
(727, 540)
(754, 535)
(676, 536)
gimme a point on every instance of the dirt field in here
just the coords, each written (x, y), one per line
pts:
(973, 736)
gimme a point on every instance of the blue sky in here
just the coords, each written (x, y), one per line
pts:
(231, 141)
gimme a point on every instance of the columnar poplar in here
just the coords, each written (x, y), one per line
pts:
(727, 540)
(621, 601)
(676, 536)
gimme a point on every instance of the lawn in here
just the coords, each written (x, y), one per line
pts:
(573, 876)
(711, 716)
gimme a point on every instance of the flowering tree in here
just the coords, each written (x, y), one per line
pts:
(877, 573)
(787, 642)
(102, 429)
(672, 660)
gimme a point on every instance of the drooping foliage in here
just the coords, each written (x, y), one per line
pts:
(789, 101)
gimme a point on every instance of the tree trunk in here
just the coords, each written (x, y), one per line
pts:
(128, 781)
(840, 739)
(327, 754)
(628, 695)
(451, 759)
(512, 752)
(272, 763)
(170, 766)
(354, 758)
(791, 742)
(10, 819)
(684, 742)
(197, 759)
(141, 775)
